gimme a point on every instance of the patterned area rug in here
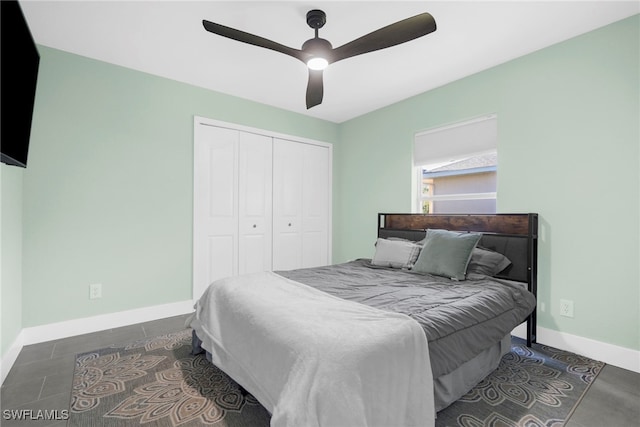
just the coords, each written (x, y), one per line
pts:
(538, 386)
(158, 382)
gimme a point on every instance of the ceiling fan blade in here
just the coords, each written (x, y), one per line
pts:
(391, 35)
(315, 88)
(244, 37)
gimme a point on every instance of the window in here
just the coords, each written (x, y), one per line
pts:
(456, 167)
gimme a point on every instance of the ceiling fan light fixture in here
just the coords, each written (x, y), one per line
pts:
(317, 63)
(318, 52)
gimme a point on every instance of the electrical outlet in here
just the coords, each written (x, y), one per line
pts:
(95, 291)
(566, 308)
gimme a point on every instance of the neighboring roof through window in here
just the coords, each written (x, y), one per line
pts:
(475, 164)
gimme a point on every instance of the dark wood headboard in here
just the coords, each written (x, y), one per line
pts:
(513, 235)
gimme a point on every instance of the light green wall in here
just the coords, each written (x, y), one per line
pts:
(108, 189)
(11, 178)
(568, 148)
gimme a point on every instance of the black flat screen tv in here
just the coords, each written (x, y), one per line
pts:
(19, 61)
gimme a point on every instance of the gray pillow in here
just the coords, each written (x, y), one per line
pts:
(395, 253)
(446, 253)
(487, 262)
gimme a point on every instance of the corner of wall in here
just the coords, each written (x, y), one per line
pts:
(11, 179)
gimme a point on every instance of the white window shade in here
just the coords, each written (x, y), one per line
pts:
(456, 141)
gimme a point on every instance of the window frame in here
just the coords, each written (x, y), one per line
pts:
(420, 199)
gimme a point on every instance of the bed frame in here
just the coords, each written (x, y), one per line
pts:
(513, 235)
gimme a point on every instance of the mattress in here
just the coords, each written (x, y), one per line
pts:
(461, 319)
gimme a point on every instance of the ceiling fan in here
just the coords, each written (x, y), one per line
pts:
(318, 53)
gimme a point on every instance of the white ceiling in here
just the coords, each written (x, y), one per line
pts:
(166, 38)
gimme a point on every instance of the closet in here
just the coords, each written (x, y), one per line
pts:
(262, 201)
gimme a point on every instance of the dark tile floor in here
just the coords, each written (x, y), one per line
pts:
(41, 378)
(42, 375)
(613, 401)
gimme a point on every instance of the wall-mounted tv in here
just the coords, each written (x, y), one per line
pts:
(19, 60)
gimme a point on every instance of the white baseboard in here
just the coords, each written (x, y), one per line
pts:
(69, 328)
(9, 358)
(611, 354)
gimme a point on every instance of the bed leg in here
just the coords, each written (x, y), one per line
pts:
(531, 329)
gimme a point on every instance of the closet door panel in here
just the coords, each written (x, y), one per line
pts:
(314, 250)
(288, 158)
(301, 200)
(315, 202)
(223, 183)
(255, 192)
(286, 253)
(288, 165)
(215, 205)
(221, 260)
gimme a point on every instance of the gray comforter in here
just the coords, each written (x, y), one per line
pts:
(460, 319)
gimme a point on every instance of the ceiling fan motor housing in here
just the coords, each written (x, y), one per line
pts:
(316, 18)
(317, 46)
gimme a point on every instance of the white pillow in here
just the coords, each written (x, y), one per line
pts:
(395, 253)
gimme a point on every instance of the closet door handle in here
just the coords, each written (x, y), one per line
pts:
(289, 224)
(254, 226)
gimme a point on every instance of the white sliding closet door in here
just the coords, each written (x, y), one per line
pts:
(262, 201)
(232, 204)
(300, 205)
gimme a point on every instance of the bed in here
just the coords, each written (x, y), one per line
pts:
(389, 340)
